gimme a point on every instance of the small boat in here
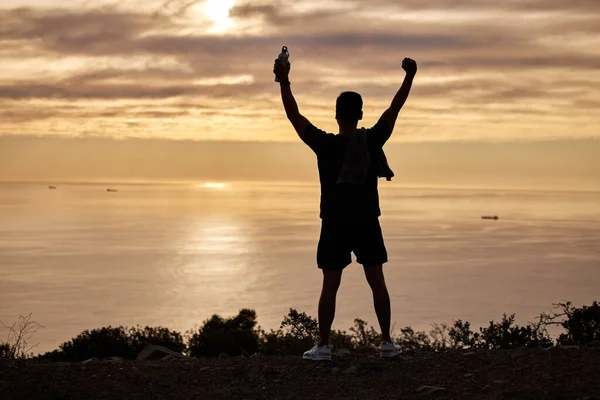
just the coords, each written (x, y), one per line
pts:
(495, 217)
(111, 190)
(51, 187)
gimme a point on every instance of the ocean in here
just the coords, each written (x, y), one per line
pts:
(79, 257)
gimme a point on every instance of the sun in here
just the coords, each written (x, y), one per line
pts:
(214, 185)
(218, 12)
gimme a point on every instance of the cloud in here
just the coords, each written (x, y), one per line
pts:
(57, 24)
(529, 62)
(175, 7)
(77, 90)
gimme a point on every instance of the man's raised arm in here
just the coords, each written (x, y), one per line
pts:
(299, 122)
(391, 114)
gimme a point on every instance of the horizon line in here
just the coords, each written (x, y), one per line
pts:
(302, 182)
(398, 139)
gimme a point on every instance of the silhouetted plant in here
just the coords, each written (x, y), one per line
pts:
(238, 335)
(115, 342)
(341, 340)
(278, 342)
(505, 335)
(462, 337)
(4, 351)
(440, 337)
(582, 325)
(363, 336)
(19, 334)
(234, 336)
(159, 336)
(301, 325)
(412, 340)
(99, 343)
(297, 332)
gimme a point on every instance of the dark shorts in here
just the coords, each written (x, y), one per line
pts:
(339, 239)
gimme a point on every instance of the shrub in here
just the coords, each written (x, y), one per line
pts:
(340, 340)
(505, 335)
(298, 331)
(4, 351)
(278, 342)
(440, 337)
(582, 325)
(412, 340)
(115, 342)
(363, 336)
(296, 334)
(100, 343)
(19, 334)
(234, 336)
(300, 325)
(462, 337)
(498, 335)
(158, 336)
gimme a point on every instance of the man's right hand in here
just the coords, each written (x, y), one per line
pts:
(410, 66)
(282, 70)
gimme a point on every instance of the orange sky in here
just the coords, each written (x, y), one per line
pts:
(201, 70)
(557, 164)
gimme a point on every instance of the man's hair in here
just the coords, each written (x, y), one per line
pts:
(348, 107)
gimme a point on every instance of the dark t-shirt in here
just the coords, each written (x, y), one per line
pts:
(346, 201)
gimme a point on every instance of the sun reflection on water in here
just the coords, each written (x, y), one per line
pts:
(212, 272)
(216, 248)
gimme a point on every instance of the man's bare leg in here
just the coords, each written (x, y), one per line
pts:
(381, 299)
(331, 284)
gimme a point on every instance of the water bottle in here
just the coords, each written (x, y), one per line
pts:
(283, 57)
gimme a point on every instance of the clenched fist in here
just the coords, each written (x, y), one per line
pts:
(410, 66)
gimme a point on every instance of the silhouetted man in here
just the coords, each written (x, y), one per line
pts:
(350, 164)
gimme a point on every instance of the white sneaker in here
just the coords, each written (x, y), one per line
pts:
(389, 350)
(318, 353)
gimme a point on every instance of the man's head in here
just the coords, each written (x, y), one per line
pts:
(348, 108)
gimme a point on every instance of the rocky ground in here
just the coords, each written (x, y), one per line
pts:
(558, 373)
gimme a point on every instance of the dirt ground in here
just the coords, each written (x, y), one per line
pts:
(558, 373)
